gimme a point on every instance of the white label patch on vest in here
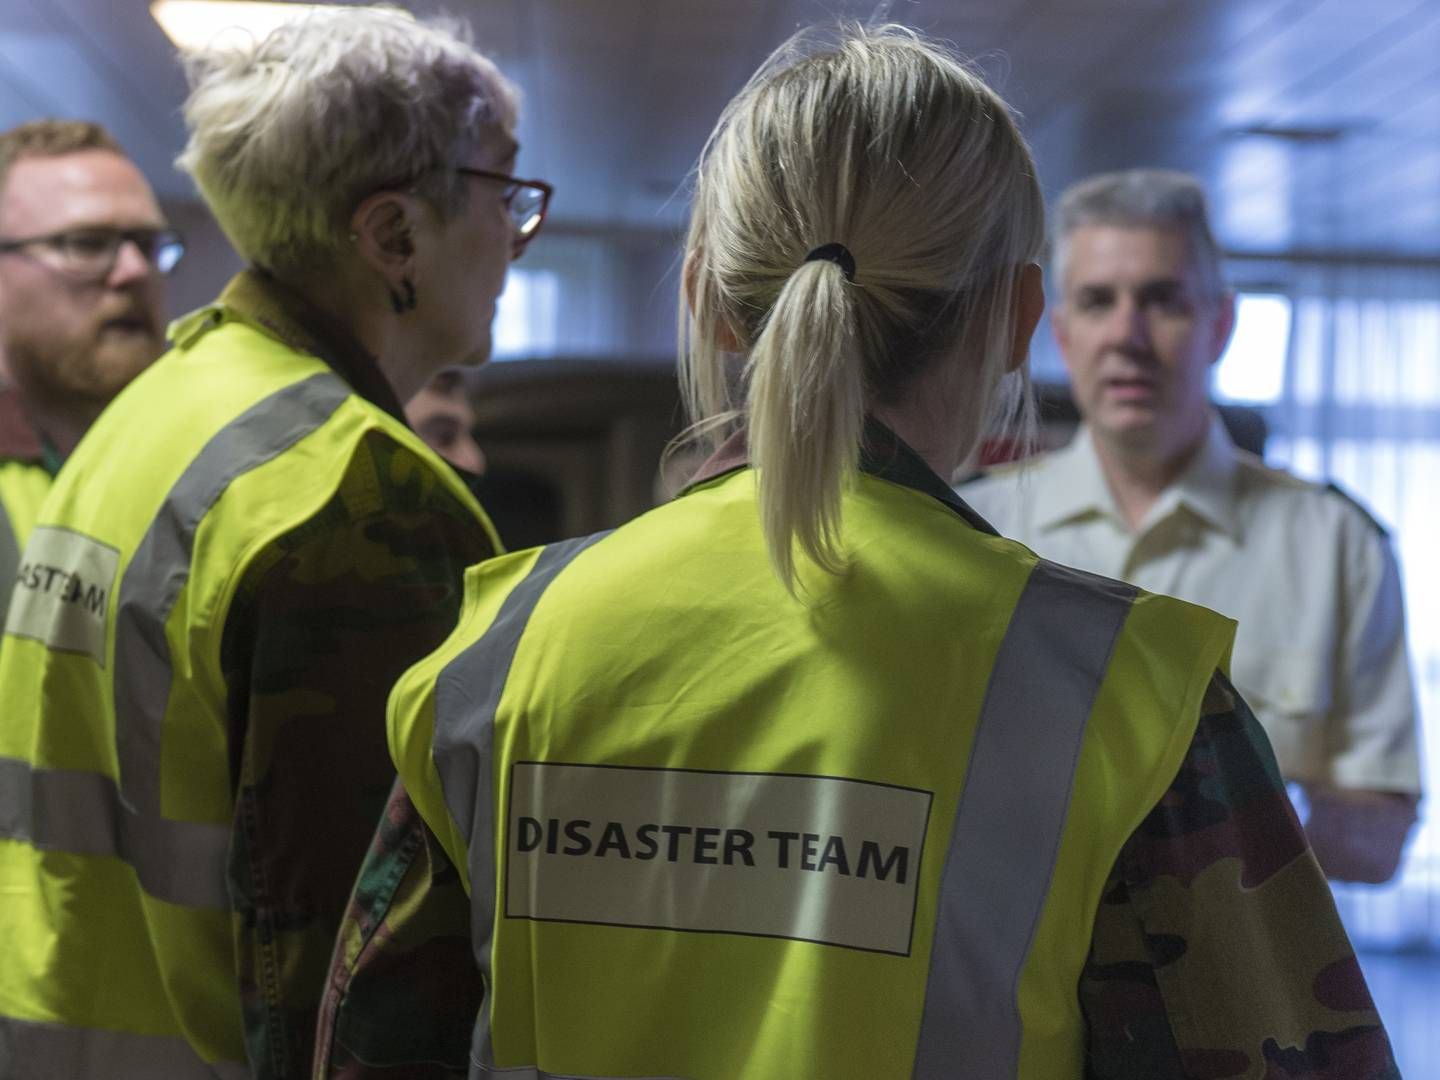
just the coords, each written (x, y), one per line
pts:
(811, 858)
(63, 592)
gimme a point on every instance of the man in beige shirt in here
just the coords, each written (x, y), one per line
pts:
(1152, 491)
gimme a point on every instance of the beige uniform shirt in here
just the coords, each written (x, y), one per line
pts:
(1310, 578)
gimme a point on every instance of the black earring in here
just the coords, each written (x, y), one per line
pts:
(405, 300)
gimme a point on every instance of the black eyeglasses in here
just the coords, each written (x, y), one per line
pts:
(90, 254)
(527, 201)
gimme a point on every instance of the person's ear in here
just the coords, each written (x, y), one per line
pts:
(1029, 306)
(383, 232)
(724, 334)
(1222, 326)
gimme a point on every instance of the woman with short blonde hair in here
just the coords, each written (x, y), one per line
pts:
(276, 546)
(289, 135)
(341, 155)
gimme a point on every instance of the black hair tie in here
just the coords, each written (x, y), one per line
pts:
(839, 254)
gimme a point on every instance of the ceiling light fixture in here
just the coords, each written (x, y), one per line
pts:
(1303, 133)
(208, 24)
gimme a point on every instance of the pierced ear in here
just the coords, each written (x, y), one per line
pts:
(383, 232)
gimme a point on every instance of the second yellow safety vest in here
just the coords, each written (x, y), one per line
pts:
(116, 811)
(23, 487)
(716, 834)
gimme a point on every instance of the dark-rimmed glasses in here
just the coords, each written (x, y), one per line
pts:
(526, 200)
(90, 254)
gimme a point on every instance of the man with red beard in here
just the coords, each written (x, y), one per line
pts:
(83, 248)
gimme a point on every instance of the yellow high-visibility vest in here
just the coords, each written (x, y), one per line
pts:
(23, 487)
(714, 833)
(116, 802)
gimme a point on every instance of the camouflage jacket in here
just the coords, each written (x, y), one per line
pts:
(324, 622)
(1215, 954)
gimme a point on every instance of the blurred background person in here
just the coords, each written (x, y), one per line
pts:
(442, 415)
(1153, 491)
(83, 248)
(704, 773)
(242, 555)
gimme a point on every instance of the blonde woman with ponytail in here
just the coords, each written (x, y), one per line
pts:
(808, 773)
(863, 266)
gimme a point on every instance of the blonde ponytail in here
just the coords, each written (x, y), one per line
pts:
(887, 144)
(806, 405)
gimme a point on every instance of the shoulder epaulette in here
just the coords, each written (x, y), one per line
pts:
(1336, 489)
(998, 471)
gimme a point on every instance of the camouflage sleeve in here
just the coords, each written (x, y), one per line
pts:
(403, 988)
(1216, 951)
(323, 625)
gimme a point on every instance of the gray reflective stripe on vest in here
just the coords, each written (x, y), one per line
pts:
(160, 567)
(177, 861)
(1010, 819)
(36, 1051)
(81, 812)
(9, 561)
(464, 748)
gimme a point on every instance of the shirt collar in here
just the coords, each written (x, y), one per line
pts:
(1207, 486)
(883, 454)
(260, 299)
(1075, 484)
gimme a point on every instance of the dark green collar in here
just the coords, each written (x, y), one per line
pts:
(50, 458)
(883, 454)
(886, 455)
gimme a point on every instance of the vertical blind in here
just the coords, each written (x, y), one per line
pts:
(1359, 404)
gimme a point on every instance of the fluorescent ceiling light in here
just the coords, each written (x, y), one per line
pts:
(201, 24)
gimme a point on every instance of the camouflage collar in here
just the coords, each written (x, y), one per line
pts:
(263, 300)
(883, 454)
